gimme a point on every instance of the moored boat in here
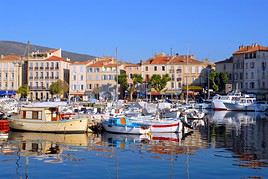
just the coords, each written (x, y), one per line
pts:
(47, 118)
(125, 126)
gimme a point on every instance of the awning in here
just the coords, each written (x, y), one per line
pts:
(7, 93)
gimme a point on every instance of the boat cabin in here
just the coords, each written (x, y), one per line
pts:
(40, 113)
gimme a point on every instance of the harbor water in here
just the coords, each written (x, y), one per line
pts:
(225, 145)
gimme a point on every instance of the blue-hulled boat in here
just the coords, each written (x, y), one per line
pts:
(125, 126)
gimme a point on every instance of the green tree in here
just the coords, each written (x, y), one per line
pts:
(122, 80)
(24, 91)
(159, 83)
(137, 79)
(223, 79)
(59, 88)
(218, 80)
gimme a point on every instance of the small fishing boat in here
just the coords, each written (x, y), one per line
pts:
(125, 126)
(47, 118)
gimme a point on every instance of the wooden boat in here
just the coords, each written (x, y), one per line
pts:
(47, 118)
(125, 126)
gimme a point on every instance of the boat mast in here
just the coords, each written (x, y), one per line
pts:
(116, 88)
(187, 93)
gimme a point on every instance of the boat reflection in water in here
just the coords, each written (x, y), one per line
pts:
(244, 133)
(230, 143)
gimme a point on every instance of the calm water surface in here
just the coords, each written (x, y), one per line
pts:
(228, 145)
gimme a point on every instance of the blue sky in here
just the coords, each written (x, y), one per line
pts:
(138, 28)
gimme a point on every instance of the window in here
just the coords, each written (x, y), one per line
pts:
(241, 76)
(246, 85)
(263, 84)
(252, 75)
(34, 114)
(252, 65)
(172, 84)
(252, 85)
(6, 75)
(246, 65)
(12, 75)
(74, 77)
(12, 84)
(36, 84)
(97, 70)
(246, 75)
(193, 69)
(163, 68)
(82, 87)
(57, 65)
(90, 86)
(147, 77)
(82, 77)
(90, 69)
(155, 68)
(146, 68)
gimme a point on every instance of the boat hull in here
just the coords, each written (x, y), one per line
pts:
(62, 126)
(165, 128)
(218, 105)
(241, 107)
(124, 129)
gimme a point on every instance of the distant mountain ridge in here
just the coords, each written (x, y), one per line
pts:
(12, 47)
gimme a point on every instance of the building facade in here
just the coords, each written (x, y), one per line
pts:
(44, 68)
(250, 70)
(10, 74)
(78, 79)
(182, 69)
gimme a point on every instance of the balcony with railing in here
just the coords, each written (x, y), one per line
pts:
(51, 68)
(37, 88)
(30, 68)
(47, 68)
(36, 77)
(47, 77)
(41, 77)
(41, 68)
(35, 68)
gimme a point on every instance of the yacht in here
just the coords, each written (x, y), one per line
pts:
(246, 104)
(218, 101)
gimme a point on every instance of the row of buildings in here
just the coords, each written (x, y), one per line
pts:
(96, 76)
(246, 68)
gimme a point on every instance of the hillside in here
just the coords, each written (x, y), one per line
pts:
(12, 47)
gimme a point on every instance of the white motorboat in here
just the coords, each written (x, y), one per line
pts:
(246, 104)
(46, 117)
(218, 100)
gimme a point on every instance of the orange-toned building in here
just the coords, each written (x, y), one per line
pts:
(182, 69)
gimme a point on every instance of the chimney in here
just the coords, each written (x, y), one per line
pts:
(241, 46)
